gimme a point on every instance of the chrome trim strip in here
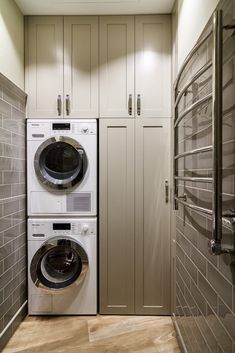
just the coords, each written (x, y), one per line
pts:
(179, 335)
(13, 319)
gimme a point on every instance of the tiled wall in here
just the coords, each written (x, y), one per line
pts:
(13, 287)
(205, 284)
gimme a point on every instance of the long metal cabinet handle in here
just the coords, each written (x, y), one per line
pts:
(130, 104)
(166, 191)
(138, 104)
(59, 104)
(67, 103)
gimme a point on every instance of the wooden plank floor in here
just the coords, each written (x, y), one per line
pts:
(94, 334)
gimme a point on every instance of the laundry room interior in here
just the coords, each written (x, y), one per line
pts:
(117, 176)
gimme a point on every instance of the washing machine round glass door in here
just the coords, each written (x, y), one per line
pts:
(60, 162)
(58, 264)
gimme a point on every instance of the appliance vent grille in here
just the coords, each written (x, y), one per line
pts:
(79, 202)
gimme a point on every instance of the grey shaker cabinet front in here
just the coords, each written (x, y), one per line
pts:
(116, 216)
(134, 216)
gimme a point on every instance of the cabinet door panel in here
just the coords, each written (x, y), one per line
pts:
(153, 65)
(81, 65)
(116, 66)
(116, 216)
(44, 65)
(152, 226)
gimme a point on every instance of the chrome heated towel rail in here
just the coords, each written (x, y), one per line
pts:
(216, 34)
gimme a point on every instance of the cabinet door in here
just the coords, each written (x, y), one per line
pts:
(81, 66)
(152, 215)
(153, 66)
(116, 216)
(117, 66)
(44, 65)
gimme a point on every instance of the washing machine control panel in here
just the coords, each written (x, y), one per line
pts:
(43, 129)
(73, 228)
(47, 229)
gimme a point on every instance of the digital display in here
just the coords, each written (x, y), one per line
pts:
(61, 126)
(61, 226)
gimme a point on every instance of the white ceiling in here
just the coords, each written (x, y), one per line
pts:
(94, 7)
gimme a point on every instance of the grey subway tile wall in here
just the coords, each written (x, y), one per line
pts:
(13, 285)
(205, 284)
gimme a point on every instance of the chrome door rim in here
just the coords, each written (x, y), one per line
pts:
(44, 249)
(48, 180)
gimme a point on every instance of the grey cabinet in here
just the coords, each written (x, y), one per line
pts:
(135, 54)
(62, 66)
(116, 216)
(116, 66)
(152, 217)
(134, 216)
(44, 65)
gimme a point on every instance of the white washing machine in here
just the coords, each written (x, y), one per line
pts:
(62, 167)
(62, 266)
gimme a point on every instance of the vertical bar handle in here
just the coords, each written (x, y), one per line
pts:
(215, 247)
(130, 104)
(138, 104)
(166, 191)
(67, 104)
(59, 104)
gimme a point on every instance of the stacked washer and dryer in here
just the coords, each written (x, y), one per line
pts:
(62, 216)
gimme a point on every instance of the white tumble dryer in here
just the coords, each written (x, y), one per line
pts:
(62, 266)
(62, 167)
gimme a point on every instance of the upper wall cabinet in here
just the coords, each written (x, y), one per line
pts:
(135, 66)
(44, 65)
(117, 66)
(153, 66)
(62, 66)
(81, 66)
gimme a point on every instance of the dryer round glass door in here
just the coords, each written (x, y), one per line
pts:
(60, 163)
(58, 264)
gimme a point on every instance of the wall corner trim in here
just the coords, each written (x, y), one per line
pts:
(178, 335)
(13, 319)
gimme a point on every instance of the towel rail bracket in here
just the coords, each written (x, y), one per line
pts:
(215, 248)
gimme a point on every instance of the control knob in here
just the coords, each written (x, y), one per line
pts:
(85, 130)
(85, 229)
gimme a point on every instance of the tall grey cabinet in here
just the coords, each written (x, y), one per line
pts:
(135, 111)
(134, 216)
(152, 216)
(117, 238)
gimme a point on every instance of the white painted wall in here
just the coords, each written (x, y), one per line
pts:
(192, 16)
(12, 42)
